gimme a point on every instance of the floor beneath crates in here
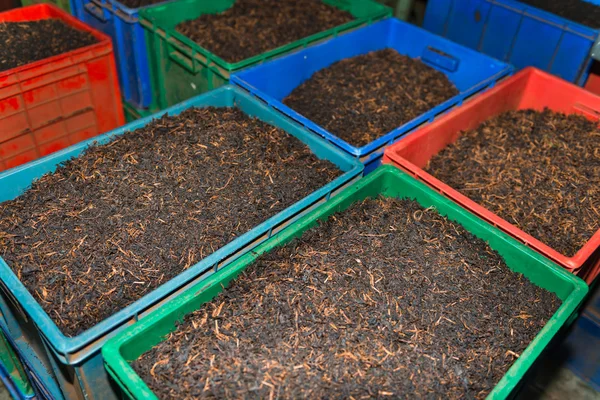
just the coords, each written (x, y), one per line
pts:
(558, 384)
(4, 395)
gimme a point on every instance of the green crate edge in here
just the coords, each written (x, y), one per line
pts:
(214, 65)
(13, 366)
(63, 4)
(391, 182)
(133, 114)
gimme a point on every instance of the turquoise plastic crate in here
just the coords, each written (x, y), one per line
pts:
(72, 367)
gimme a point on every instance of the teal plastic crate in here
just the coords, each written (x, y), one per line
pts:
(72, 367)
(387, 181)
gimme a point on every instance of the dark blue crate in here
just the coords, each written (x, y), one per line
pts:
(122, 25)
(517, 33)
(582, 345)
(470, 71)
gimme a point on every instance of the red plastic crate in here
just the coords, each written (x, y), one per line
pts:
(530, 88)
(53, 103)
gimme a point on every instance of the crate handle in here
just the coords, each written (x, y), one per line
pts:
(183, 60)
(440, 59)
(187, 62)
(96, 11)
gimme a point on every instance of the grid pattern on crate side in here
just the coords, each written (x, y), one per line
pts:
(44, 114)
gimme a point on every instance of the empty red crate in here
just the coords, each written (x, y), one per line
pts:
(529, 89)
(53, 103)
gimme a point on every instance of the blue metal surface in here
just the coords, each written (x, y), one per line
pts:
(470, 72)
(122, 25)
(75, 362)
(517, 33)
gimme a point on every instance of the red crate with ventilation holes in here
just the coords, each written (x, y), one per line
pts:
(531, 88)
(53, 103)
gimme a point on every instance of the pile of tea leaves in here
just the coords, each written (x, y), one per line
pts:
(251, 27)
(540, 171)
(385, 299)
(113, 224)
(362, 98)
(27, 41)
(580, 11)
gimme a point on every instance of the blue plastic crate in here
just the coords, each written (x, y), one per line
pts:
(72, 367)
(470, 72)
(122, 25)
(517, 33)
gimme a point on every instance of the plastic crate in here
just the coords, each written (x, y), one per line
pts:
(390, 182)
(38, 386)
(132, 113)
(470, 72)
(517, 33)
(582, 345)
(13, 374)
(531, 88)
(75, 362)
(123, 26)
(64, 4)
(180, 68)
(53, 103)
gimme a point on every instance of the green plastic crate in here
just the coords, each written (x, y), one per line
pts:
(180, 68)
(14, 368)
(132, 113)
(387, 181)
(64, 4)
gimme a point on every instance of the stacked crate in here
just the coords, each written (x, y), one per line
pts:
(56, 108)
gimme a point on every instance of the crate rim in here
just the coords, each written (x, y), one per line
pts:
(573, 263)
(370, 149)
(554, 19)
(116, 5)
(104, 42)
(84, 342)
(114, 361)
(149, 22)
